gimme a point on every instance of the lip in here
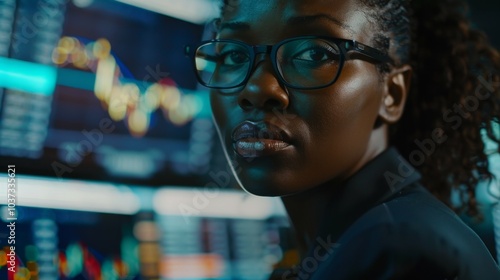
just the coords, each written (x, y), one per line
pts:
(257, 139)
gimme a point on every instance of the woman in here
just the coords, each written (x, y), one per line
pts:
(313, 100)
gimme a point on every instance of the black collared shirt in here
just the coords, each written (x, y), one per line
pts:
(394, 229)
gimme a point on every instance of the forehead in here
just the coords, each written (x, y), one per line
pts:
(343, 17)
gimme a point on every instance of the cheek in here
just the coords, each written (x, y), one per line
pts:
(358, 98)
(352, 106)
(342, 121)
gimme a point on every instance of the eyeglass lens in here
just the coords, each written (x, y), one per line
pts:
(303, 63)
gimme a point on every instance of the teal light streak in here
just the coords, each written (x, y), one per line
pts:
(27, 76)
(76, 79)
(42, 79)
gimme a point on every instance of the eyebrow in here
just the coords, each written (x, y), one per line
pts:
(309, 19)
(234, 25)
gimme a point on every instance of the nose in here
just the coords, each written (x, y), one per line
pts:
(263, 90)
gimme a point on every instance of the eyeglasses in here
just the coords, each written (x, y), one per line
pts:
(308, 62)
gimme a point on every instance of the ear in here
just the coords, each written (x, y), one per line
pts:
(397, 86)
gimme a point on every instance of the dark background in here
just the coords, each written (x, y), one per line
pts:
(485, 15)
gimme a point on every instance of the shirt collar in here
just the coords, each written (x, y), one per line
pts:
(382, 177)
(378, 180)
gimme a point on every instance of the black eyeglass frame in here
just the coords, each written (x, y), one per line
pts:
(345, 46)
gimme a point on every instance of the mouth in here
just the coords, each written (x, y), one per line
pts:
(256, 139)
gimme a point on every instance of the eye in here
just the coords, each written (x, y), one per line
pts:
(310, 52)
(234, 57)
(317, 54)
(231, 54)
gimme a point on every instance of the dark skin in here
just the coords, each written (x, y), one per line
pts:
(332, 129)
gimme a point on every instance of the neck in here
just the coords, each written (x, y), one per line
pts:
(307, 209)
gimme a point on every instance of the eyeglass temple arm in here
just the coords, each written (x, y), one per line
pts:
(368, 51)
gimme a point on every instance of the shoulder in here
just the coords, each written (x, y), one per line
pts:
(411, 236)
(415, 212)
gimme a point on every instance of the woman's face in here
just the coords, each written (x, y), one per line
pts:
(316, 135)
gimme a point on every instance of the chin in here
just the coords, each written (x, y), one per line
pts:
(268, 186)
(262, 176)
(256, 187)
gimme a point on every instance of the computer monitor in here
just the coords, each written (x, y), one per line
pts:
(101, 90)
(80, 229)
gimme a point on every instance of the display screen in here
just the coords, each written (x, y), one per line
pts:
(101, 90)
(76, 229)
(64, 244)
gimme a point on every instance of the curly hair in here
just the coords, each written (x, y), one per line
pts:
(455, 93)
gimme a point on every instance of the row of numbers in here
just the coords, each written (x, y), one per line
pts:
(11, 192)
